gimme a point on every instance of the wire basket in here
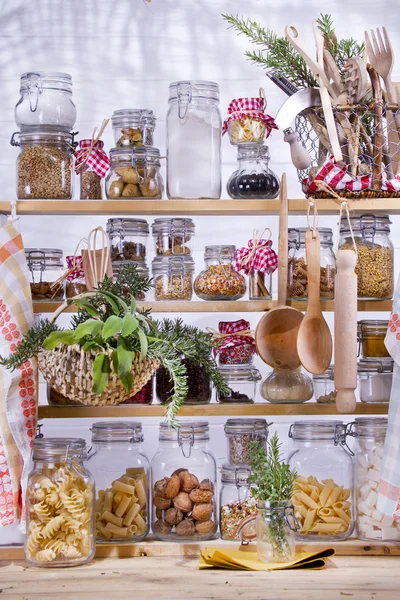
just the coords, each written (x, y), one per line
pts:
(370, 145)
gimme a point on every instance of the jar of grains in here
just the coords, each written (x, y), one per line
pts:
(371, 335)
(324, 386)
(128, 239)
(60, 505)
(142, 271)
(297, 264)
(173, 236)
(173, 277)
(242, 382)
(134, 173)
(240, 433)
(121, 473)
(45, 163)
(46, 267)
(198, 383)
(374, 268)
(238, 509)
(220, 280)
(76, 283)
(323, 498)
(375, 377)
(183, 483)
(133, 127)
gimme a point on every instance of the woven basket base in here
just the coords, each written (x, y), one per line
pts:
(365, 194)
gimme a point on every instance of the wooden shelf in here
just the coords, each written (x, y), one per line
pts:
(206, 410)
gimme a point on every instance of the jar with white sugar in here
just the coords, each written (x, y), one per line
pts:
(371, 523)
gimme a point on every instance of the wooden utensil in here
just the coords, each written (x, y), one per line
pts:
(380, 54)
(333, 74)
(276, 333)
(378, 128)
(355, 79)
(314, 339)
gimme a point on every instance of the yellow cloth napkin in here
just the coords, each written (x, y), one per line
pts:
(246, 558)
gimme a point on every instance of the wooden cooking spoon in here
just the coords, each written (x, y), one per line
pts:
(314, 339)
(276, 333)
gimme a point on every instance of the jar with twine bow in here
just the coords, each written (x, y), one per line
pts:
(92, 163)
(247, 122)
(258, 261)
(236, 342)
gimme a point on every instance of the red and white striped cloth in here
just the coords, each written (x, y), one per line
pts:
(263, 259)
(232, 328)
(97, 160)
(75, 263)
(242, 108)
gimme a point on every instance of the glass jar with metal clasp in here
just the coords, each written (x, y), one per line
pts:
(238, 509)
(46, 268)
(134, 173)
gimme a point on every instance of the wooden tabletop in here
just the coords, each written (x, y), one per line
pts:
(177, 578)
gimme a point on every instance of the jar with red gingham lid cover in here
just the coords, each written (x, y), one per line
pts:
(92, 163)
(247, 122)
(76, 277)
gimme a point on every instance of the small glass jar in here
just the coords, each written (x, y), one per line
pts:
(242, 382)
(297, 265)
(173, 277)
(260, 285)
(239, 435)
(276, 527)
(128, 239)
(134, 173)
(173, 236)
(46, 267)
(253, 178)
(45, 164)
(76, 283)
(324, 386)
(287, 387)
(141, 269)
(133, 127)
(90, 182)
(46, 99)
(121, 473)
(60, 505)
(183, 483)
(371, 524)
(220, 280)
(325, 475)
(375, 379)
(193, 140)
(239, 355)
(371, 335)
(198, 382)
(374, 268)
(237, 512)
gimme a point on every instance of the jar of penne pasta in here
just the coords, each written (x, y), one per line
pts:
(60, 505)
(323, 489)
(120, 469)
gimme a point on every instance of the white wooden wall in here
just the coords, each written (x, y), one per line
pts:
(124, 53)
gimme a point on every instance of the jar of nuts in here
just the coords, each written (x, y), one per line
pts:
(173, 277)
(297, 287)
(238, 509)
(46, 267)
(183, 484)
(133, 127)
(134, 173)
(128, 239)
(173, 236)
(220, 280)
(240, 433)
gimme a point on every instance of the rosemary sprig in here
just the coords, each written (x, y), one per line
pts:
(341, 50)
(30, 345)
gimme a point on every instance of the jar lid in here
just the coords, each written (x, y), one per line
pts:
(315, 430)
(297, 234)
(134, 153)
(235, 474)
(59, 448)
(141, 266)
(233, 426)
(328, 374)
(219, 251)
(197, 430)
(373, 326)
(375, 365)
(239, 372)
(127, 226)
(50, 134)
(39, 258)
(194, 89)
(367, 223)
(46, 79)
(119, 431)
(368, 427)
(126, 117)
(171, 226)
(166, 264)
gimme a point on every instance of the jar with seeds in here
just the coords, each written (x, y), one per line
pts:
(240, 433)
(46, 268)
(220, 279)
(173, 277)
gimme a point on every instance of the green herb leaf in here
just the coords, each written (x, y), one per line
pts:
(89, 327)
(125, 357)
(127, 381)
(143, 320)
(144, 344)
(116, 302)
(114, 358)
(129, 324)
(89, 345)
(56, 338)
(112, 326)
(101, 372)
(133, 305)
(89, 308)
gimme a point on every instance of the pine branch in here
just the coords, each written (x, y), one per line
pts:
(341, 50)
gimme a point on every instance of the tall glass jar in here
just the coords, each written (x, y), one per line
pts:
(374, 266)
(46, 268)
(324, 483)
(371, 524)
(276, 527)
(121, 472)
(287, 387)
(193, 140)
(134, 173)
(253, 178)
(237, 520)
(239, 435)
(133, 127)
(183, 483)
(128, 239)
(173, 236)
(173, 277)
(220, 280)
(60, 505)
(198, 382)
(371, 335)
(46, 99)
(297, 266)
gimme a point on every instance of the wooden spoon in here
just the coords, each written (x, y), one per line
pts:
(276, 333)
(314, 339)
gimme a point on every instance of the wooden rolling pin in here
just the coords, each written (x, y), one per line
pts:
(345, 331)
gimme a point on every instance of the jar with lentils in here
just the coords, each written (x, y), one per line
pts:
(173, 277)
(220, 280)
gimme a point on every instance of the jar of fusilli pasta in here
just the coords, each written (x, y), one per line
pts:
(60, 505)
(120, 469)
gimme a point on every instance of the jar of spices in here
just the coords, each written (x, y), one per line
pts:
(198, 382)
(258, 261)
(60, 505)
(141, 269)
(76, 277)
(193, 140)
(45, 163)
(375, 378)
(183, 483)
(46, 267)
(374, 268)
(324, 386)
(247, 123)
(238, 509)
(242, 381)
(134, 173)
(133, 127)
(92, 164)
(240, 433)
(297, 264)
(236, 343)
(323, 498)
(219, 280)
(173, 236)
(46, 99)
(128, 239)
(287, 387)
(253, 178)
(173, 277)
(371, 335)
(371, 523)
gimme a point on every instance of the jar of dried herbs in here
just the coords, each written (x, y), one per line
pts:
(46, 268)
(173, 277)
(240, 433)
(199, 384)
(238, 509)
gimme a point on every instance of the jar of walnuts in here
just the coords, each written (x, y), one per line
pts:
(134, 173)
(183, 484)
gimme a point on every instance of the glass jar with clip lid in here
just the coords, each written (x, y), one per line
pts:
(237, 506)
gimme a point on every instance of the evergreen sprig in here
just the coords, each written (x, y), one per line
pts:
(341, 50)
(30, 345)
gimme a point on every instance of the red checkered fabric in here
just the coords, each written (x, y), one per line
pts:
(264, 259)
(97, 159)
(75, 263)
(253, 107)
(232, 327)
